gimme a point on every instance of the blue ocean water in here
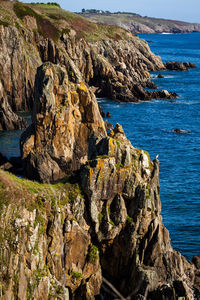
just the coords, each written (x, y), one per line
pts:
(149, 125)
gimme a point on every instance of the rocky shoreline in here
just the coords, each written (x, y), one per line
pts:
(117, 68)
(95, 231)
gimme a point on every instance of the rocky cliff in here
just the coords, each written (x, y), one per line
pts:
(109, 58)
(62, 241)
(100, 224)
(138, 24)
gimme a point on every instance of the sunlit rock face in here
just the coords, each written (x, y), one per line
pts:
(65, 114)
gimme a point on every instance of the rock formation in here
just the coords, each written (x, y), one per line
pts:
(59, 241)
(179, 66)
(100, 220)
(65, 115)
(105, 220)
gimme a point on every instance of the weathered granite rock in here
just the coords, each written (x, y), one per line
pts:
(59, 241)
(123, 202)
(45, 246)
(64, 116)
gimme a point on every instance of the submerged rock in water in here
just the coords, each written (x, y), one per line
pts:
(179, 130)
(160, 76)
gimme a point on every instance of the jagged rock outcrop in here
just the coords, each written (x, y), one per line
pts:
(110, 208)
(65, 114)
(59, 241)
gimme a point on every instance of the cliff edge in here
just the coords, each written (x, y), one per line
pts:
(101, 224)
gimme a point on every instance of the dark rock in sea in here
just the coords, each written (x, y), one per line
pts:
(163, 94)
(108, 115)
(149, 41)
(179, 66)
(160, 76)
(179, 130)
(172, 101)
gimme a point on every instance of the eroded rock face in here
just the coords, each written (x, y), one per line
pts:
(18, 63)
(65, 114)
(104, 222)
(123, 194)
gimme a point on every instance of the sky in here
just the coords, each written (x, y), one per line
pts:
(185, 10)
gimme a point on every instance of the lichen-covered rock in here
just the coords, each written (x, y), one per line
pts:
(123, 199)
(60, 240)
(65, 114)
(46, 250)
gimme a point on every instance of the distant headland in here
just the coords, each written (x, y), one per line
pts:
(139, 24)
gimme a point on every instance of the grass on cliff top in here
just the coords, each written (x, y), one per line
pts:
(20, 191)
(53, 21)
(84, 28)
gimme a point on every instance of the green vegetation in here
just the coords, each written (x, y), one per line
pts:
(118, 166)
(129, 219)
(94, 254)
(46, 4)
(77, 275)
(33, 195)
(45, 27)
(5, 24)
(100, 217)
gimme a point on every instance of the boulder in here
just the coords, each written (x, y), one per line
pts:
(65, 114)
(160, 76)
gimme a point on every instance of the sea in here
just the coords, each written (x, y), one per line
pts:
(149, 125)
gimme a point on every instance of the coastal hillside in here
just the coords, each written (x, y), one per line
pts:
(97, 230)
(111, 60)
(83, 220)
(138, 24)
